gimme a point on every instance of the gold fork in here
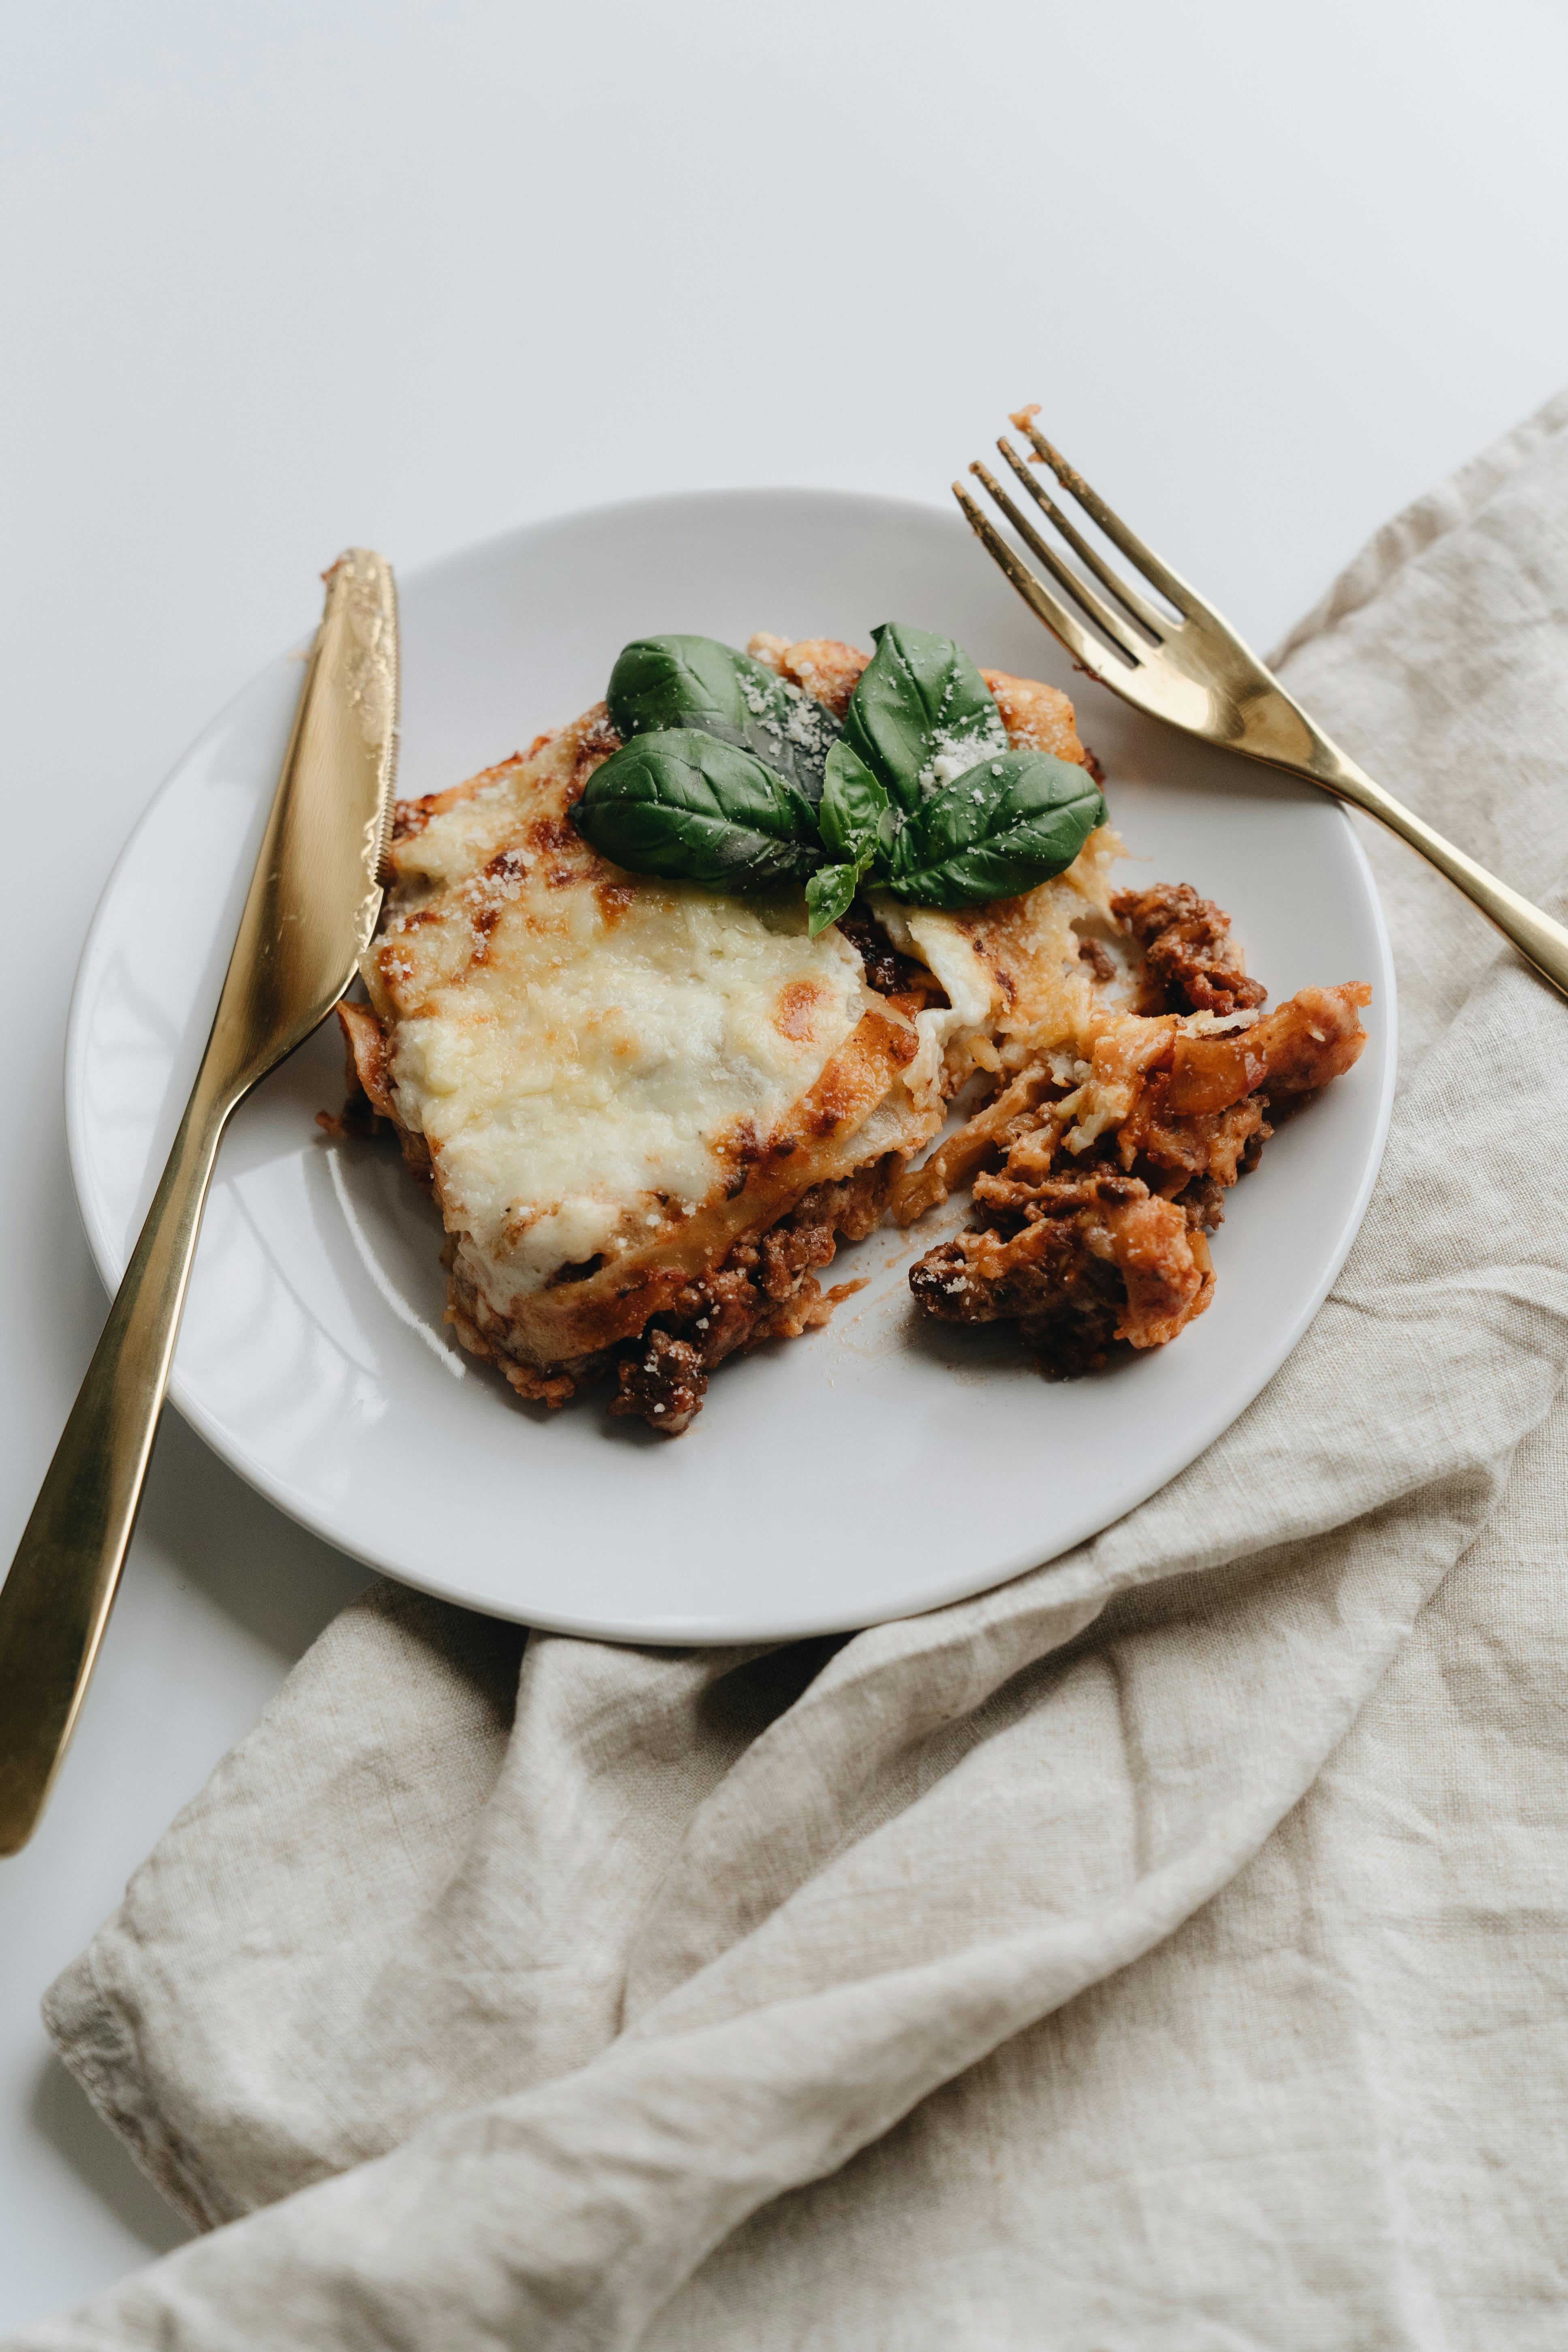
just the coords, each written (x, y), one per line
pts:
(1195, 672)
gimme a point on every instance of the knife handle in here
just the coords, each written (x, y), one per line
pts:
(54, 1603)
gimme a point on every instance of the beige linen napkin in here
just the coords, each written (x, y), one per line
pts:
(1163, 1952)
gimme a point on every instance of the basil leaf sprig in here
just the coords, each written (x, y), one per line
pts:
(920, 713)
(997, 830)
(924, 795)
(854, 820)
(720, 781)
(669, 682)
(686, 805)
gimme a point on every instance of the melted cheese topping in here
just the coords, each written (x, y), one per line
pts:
(590, 1055)
(1012, 970)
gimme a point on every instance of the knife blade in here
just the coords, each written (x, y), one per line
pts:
(310, 913)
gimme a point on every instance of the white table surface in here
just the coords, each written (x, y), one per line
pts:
(280, 278)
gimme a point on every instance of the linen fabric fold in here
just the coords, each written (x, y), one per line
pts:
(1164, 1951)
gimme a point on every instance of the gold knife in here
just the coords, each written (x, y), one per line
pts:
(312, 907)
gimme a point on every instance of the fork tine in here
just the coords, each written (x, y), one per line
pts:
(1080, 591)
(1170, 584)
(1086, 650)
(1131, 602)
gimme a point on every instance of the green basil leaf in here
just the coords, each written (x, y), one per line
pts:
(920, 712)
(853, 804)
(692, 808)
(831, 890)
(662, 684)
(1008, 824)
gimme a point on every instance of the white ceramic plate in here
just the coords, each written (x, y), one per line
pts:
(876, 1468)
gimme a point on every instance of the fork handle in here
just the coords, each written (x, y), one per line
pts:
(1535, 935)
(56, 1602)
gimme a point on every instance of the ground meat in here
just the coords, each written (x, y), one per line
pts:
(1090, 1259)
(663, 1383)
(1071, 1300)
(766, 1289)
(888, 972)
(1202, 1201)
(1191, 963)
(1161, 1143)
(1107, 1244)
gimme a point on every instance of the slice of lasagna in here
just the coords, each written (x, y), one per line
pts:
(648, 1110)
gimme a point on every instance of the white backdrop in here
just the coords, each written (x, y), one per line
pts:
(278, 278)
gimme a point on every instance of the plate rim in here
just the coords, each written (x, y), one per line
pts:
(318, 1517)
